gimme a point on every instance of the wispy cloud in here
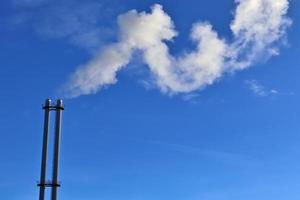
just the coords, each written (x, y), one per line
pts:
(191, 97)
(78, 22)
(258, 27)
(223, 156)
(29, 3)
(260, 90)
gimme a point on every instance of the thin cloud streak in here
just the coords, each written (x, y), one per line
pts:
(259, 90)
(258, 28)
(226, 157)
(78, 23)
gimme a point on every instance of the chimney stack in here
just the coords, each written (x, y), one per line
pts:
(54, 183)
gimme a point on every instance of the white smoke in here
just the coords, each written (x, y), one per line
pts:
(258, 27)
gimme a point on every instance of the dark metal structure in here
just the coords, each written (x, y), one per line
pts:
(54, 183)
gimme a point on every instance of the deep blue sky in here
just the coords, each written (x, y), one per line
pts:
(225, 142)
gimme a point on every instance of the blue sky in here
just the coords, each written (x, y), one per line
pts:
(237, 138)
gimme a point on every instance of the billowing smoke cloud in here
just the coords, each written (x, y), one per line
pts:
(258, 27)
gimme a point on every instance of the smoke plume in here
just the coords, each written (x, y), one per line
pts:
(258, 28)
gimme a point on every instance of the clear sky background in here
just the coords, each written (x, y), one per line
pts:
(237, 139)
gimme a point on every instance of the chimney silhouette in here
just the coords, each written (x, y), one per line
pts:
(54, 183)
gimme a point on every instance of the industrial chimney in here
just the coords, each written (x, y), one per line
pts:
(54, 183)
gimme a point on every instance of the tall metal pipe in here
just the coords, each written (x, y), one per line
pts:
(55, 183)
(44, 150)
